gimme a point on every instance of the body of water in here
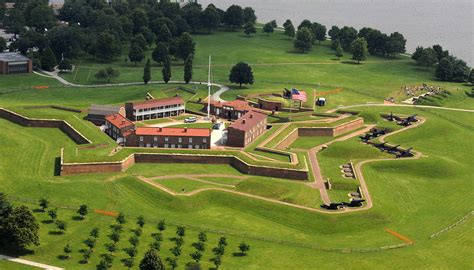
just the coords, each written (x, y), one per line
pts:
(449, 23)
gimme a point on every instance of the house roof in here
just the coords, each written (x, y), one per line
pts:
(104, 109)
(248, 121)
(118, 120)
(184, 132)
(158, 102)
(13, 57)
(239, 105)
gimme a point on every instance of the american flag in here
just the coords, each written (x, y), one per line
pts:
(298, 95)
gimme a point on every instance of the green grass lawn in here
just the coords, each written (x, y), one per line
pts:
(184, 185)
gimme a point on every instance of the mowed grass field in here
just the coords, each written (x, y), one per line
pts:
(413, 198)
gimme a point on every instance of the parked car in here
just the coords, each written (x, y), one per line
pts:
(191, 119)
(216, 126)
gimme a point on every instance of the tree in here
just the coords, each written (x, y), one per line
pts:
(140, 40)
(111, 247)
(53, 213)
(338, 51)
(151, 261)
(188, 69)
(334, 32)
(61, 226)
(160, 52)
(192, 13)
(202, 237)
(289, 29)
(19, 227)
(134, 240)
(163, 34)
(106, 47)
(139, 19)
(131, 251)
(427, 58)
(222, 241)
(199, 246)
(39, 16)
(210, 18)
(157, 236)
(156, 245)
(64, 65)
(14, 22)
(249, 28)
(161, 225)
(303, 41)
(268, 28)
(219, 250)
(48, 60)
(166, 71)
(181, 25)
(83, 211)
(121, 218)
(67, 251)
(3, 44)
(248, 15)
(471, 76)
(90, 243)
(185, 46)
(234, 16)
(173, 262)
(87, 255)
(43, 203)
(94, 232)
(347, 35)
(107, 74)
(243, 247)
(146, 79)
(305, 24)
(396, 43)
(115, 236)
(444, 70)
(274, 24)
(176, 251)
(137, 232)
(417, 54)
(180, 231)
(129, 262)
(135, 54)
(196, 256)
(319, 31)
(217, 261)
(452, 69)
(359, 50)
(193, 266)
(440, 53)
(241, 73)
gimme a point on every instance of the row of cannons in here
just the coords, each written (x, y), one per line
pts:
(356, 199)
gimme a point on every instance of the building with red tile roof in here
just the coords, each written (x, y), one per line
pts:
(246, 129)
(156, 137)
(229, 110)
(155, 108)
(116, 125)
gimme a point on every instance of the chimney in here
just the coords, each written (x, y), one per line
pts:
(160, 129)
(185, 129)
(123, 122)
(243, 122)
(251, 116)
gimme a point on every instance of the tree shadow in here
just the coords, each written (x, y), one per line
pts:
(351, 62)
(14, 251)
(55, 233)
(47, 221)
(62, 257)
(239, 254)
(38, 210)
(77, 218)
(57, 166)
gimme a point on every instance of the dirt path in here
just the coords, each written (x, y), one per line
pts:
(400, 105)
(30, 263)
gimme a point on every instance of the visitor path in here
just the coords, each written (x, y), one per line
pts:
(400, 105)
(30, 263)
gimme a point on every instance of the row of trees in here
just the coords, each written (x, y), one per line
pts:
(448, 67)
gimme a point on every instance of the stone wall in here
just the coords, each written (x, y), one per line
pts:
(241, 166)
(288, 140)
(46, 123)
(352, 125)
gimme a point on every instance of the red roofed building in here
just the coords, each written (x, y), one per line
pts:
(155, 108)
(229, 110)
(156, 137)
(246, 129)
(118, 126)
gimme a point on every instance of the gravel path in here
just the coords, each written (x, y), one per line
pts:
(30, 263)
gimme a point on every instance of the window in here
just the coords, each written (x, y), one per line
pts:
(197, 146)
(166, 145)
(190, 140)
(204, 140)
(155, 138)
(179, 146)
(190, 146)
(172, 146)
(166, 139)
(141, 138)
(180, 139)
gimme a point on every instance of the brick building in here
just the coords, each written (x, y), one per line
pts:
(97, 113)
(246, 129)
(269, 105)
(231, 110)
(118, 127)
(12, 62)
(155, 108)
(156, 137)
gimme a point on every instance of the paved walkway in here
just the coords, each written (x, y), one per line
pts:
(400, 105)
(216, 96)
(30, 263)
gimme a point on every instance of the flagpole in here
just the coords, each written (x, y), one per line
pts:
(209, 91)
